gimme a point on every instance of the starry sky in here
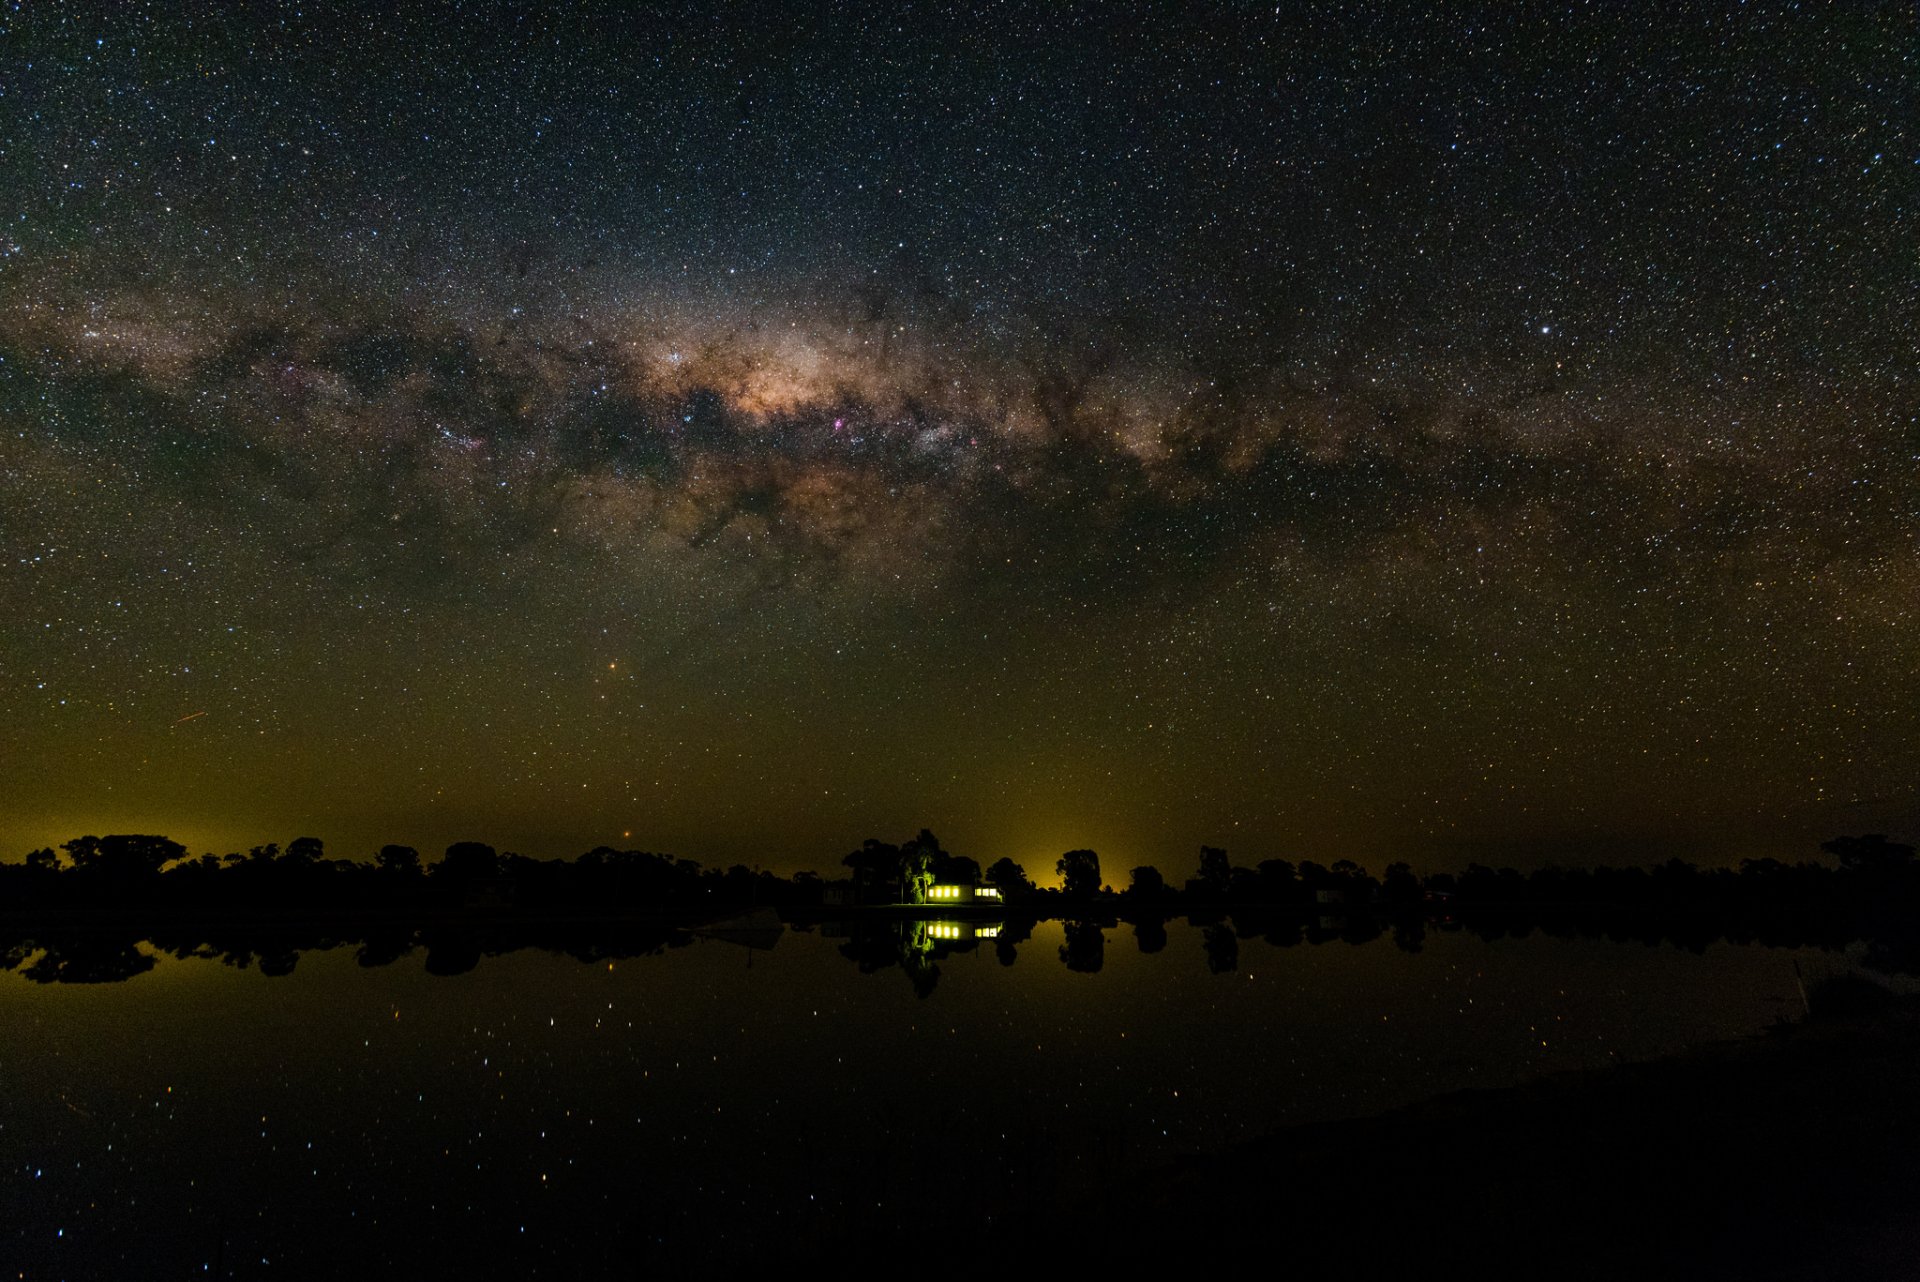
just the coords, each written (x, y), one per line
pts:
(1319, 430)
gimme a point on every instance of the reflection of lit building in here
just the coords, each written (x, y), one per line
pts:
(956, 932)
(959, 893)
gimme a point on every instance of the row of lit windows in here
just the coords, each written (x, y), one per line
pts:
(955, 892)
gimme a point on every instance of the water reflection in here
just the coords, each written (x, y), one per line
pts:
(598, 1101)
(1085, 949)
(97, 952)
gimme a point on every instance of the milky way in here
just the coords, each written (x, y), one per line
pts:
(1316, 434)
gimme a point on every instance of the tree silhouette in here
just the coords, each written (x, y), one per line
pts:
(1146, 884)
(122, 859)
(1275, 881)
(1079, 872)
(1010, 877)
(306, 850)
(916, 867)
(1216, 873)
(398, 861)
(1400, 886)
(122, 869)
(873, 865)
(465, 867)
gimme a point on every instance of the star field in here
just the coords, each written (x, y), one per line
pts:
(1321, 430)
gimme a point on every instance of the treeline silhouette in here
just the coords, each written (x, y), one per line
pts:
(155, 874)
(81, 914)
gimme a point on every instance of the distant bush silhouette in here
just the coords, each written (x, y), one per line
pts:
(1870, 854)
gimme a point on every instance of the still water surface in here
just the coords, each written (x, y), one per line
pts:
(542, 1116)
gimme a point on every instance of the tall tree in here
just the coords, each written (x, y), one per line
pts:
(916, 870)
(874, 863)
(1079, 872)
(1216, 872)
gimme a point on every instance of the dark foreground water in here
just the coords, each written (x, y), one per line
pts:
(716, 1107)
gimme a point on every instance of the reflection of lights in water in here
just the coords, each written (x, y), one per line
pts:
(960, 930)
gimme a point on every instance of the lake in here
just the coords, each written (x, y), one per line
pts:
(714, 1105)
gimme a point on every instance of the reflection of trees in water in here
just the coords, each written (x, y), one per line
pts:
(95, 956)
(1222, 947)
(452, 957)
(923, 974)
(908, 944)
(88, 960)
(916, 947)
(383, 948)
(1085, 949)
(1014, 932)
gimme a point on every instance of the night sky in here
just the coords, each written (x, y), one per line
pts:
(1317, 430)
